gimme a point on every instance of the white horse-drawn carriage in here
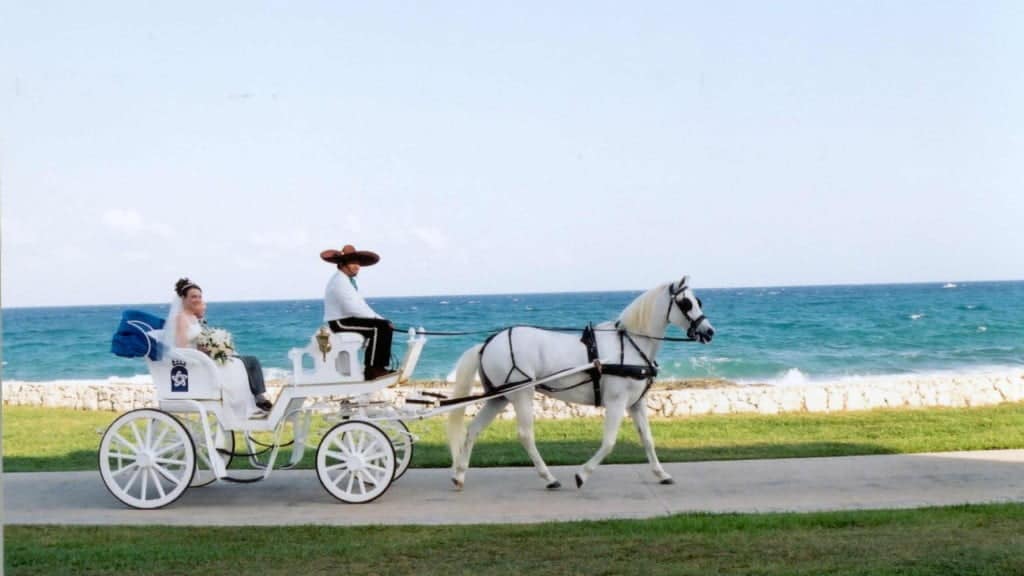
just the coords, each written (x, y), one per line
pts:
(149, 457)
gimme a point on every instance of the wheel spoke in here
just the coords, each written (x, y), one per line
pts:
(149, 433)
(166, 474)
(138, 437)
(119, 471)
(169, 461)
(159, 485)
(163, 432)
(340, 466)
(167, 449)
(121, 456)
(336, 455)
(380, 469)
(376, 455)
(337, 479)
(131, 481)
(124, 442)
(145, 484)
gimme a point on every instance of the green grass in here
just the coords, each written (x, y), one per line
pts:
(979, 540)
(49, 439)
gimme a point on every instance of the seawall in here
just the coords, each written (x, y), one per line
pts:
(666, 399)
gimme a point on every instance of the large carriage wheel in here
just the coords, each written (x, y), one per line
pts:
(224, 440)
(355, 462)
(402, 441)
(147, 458)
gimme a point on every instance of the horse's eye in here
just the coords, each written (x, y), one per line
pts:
(686, 305)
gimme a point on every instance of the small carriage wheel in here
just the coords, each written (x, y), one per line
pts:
(355, 462)
(402, 441)
(147, 458)
(223, 439)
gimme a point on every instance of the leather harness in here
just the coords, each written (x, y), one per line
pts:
(647, 371)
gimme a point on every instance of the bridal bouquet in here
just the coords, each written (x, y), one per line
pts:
(217, 344)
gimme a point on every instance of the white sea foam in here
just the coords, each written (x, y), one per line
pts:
(982, 328)
(795, 377)
(141, 379)
(917, 316)
(275, 373)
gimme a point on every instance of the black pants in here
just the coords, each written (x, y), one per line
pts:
(255, 372)
(378, 338)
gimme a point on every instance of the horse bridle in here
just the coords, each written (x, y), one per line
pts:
(684, 307)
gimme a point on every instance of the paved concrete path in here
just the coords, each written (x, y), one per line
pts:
(517, 495)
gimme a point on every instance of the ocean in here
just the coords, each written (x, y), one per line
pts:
(764, 335)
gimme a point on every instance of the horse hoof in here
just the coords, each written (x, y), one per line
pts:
(667, 481)
(458, 484)
(554, 485)
(579, 481)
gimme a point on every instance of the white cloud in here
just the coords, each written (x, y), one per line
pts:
(15, 233)
(279, 239)
(135, 256)
(434, 238)
(127, 221)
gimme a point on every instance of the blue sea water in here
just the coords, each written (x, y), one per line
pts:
(763, 334)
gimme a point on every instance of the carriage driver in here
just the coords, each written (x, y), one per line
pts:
(346, 311)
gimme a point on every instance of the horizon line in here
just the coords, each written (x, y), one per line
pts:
(539, 293)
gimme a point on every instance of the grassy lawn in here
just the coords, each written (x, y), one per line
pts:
(45, 439)
(941, 541)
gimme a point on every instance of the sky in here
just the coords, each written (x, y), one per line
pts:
(485, 147)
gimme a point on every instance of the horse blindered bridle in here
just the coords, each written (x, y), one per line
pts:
(684, 307)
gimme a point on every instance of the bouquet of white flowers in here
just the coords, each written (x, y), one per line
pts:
(217, 344)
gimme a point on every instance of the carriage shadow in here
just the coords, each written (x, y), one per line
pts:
(492, 452)
(509, 452)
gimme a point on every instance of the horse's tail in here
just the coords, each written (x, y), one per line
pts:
(465, 373)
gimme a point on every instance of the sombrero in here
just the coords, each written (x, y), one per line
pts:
(350, 254)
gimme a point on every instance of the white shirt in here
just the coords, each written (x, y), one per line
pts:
(341, 300)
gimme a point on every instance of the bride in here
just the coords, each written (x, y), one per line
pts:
(185, 323)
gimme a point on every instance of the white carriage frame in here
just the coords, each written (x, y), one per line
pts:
(335, 380)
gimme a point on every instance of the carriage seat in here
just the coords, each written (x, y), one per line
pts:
(189, 374)
(341, 362)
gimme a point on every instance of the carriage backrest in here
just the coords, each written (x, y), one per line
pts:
(186, 374)
(342, 362)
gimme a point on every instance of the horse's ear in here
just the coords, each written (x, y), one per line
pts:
(683, 282)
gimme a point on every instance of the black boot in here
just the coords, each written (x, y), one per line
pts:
(263, 404)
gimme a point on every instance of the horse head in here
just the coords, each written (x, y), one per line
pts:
(687, 312)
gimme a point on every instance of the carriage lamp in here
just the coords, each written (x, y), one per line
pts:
(323, 341)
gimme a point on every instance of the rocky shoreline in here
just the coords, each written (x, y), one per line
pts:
(667, 399)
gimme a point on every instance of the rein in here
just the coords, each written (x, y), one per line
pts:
(550, 328)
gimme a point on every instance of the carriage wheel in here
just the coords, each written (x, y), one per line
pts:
(224, 441)
(147, 458)
(401, 441)
(355, 462)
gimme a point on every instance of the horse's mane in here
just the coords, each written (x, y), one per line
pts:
(636, 316)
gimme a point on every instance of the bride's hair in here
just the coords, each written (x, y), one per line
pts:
(183, 285)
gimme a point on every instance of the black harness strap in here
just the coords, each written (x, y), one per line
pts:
(652, 366)
(590, 343)
(486, 381)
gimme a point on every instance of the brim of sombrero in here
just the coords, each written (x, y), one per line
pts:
(363, 257)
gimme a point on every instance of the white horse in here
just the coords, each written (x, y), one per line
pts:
(626, 349)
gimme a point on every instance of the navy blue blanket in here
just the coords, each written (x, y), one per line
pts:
(131, 340)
